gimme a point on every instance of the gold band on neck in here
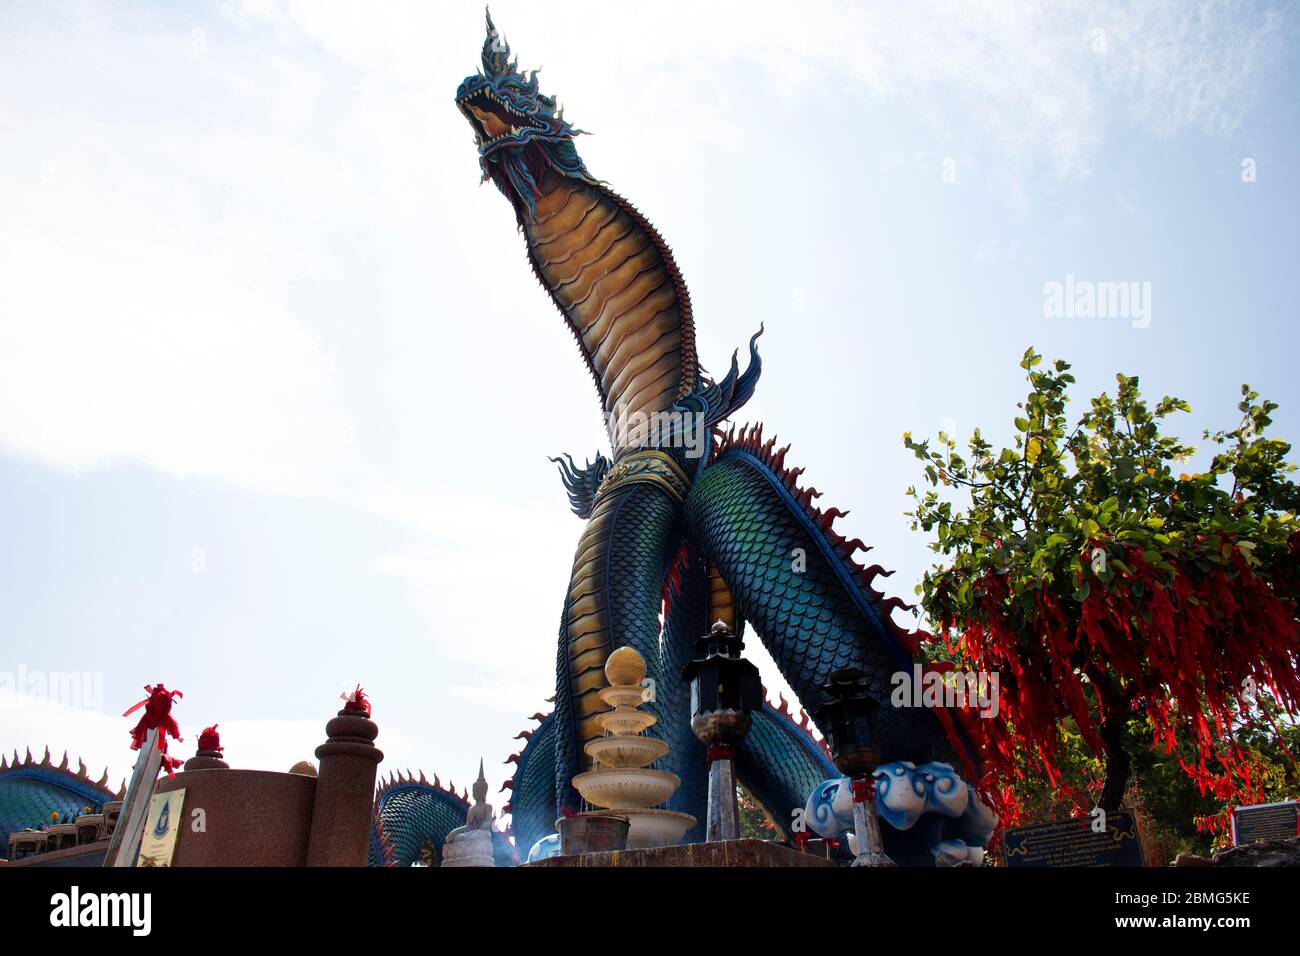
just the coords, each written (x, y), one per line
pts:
(646, 466)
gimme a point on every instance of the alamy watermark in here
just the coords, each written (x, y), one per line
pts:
(1085, 299)
(133, 911)
(674, 428)
(922, 688)
(83, 690)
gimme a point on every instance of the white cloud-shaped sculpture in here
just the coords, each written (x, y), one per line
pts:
(905, 793)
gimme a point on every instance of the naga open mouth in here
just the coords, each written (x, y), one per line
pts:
(494, 119)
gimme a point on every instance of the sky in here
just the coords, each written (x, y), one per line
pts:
(278, 389)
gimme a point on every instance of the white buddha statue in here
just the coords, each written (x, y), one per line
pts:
(471, 845)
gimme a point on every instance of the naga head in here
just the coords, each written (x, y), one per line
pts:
(517, 129)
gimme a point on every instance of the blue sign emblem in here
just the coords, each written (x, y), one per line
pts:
(164, 821)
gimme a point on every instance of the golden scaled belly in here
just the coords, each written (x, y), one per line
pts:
(613, 278)
(614, 593)
(588, 624)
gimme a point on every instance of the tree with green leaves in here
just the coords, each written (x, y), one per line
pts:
(1105, 586)
(755, 824)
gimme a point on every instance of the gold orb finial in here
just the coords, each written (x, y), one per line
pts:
(625, 668)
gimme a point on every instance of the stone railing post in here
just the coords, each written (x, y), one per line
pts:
(345, 792)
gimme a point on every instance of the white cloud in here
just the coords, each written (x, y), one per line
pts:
(1181, 65)
(158, 238)
(138, 354)
(87, 735)
(143, 314)
(1033, 80)
(485, 575)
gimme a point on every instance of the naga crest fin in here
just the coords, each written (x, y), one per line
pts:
(580, 483)
(717, 401)
(496, 51)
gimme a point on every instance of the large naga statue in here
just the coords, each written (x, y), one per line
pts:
(685, 525)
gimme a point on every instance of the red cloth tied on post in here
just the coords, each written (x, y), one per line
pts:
(157, 716)
(720, 752)
(356, 702)
(210, 740)
(864, 789)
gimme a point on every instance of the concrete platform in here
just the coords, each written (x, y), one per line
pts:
(749, 853)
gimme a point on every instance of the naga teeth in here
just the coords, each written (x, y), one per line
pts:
(500, 102)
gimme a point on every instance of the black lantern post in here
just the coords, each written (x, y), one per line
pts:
(847, 718)
(724, 690)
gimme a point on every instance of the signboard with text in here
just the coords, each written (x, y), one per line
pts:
(158, 844)
(1074, 842)
(1265, 821)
